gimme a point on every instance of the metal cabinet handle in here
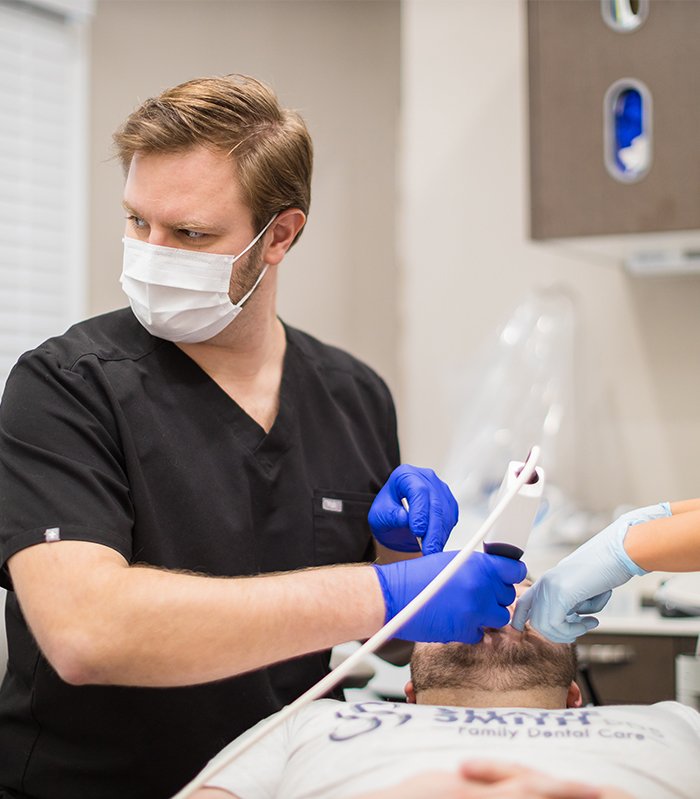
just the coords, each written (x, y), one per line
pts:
(606, 653)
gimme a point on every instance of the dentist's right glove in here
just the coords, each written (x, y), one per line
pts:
(476, 596)
(583, 581)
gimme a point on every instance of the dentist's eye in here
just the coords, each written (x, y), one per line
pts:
(136, 221)
(192, 235)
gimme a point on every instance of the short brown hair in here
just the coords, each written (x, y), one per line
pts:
(270, 146)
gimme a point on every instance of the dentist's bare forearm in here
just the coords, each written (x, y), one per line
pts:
(99, 620)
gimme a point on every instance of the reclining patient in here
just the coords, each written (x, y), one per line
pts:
(510, 699)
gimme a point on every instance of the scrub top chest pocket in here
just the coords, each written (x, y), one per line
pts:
(341, 529)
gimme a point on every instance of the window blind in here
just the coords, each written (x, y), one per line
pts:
(43, 225)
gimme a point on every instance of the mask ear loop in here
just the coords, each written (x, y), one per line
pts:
(332, 679)
(255, 240)
(243, 299)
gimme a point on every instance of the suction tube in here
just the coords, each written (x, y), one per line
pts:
(332, 679)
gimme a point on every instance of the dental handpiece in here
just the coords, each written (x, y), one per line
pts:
(509, 535)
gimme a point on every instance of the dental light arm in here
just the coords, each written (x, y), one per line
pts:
(370, 646)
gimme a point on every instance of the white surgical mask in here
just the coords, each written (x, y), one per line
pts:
(181, 295)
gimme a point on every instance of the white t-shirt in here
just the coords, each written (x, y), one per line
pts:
(336, 749)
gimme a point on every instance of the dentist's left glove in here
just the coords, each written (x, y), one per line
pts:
(583, 581)
(431, 515)
(476, 596)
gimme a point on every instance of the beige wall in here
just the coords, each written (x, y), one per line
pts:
(338, 63)
(467, 261)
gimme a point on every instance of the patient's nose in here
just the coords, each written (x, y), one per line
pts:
(520, 589)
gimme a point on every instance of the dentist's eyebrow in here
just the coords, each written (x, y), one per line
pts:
(188, 224)
(127, 207)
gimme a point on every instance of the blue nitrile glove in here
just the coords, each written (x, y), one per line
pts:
(476, 596)
(431, 516)
(583, 581)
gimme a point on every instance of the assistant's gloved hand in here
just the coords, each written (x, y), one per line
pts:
(476, 596)
(583, 581)
(431, 515)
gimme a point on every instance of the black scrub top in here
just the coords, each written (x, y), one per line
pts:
(110, 435)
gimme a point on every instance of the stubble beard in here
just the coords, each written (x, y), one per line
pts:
(245, 272)
(501, 662)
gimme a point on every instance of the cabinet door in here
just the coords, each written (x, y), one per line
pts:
(631, 669)
(575, 57)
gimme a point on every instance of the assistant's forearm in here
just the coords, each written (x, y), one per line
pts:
(669, 544)
(684, 505)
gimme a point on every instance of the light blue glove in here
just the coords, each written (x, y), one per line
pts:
(476, 596)
(431, 516)
(583, 581)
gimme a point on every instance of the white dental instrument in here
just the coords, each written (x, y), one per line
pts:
(509, 534)
(332, 679)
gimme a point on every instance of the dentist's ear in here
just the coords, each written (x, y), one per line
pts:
(410, 692)
(281, 235)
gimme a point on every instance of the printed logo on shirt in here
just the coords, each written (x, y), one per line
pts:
(331, 504)
(366, 717)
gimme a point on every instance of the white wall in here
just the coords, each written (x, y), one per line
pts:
(466, 262)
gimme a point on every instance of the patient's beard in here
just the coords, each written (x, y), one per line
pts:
(503, 661)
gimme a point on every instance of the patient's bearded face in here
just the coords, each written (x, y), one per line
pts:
(505, 660)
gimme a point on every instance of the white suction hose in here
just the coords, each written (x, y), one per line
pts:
(332, 679)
